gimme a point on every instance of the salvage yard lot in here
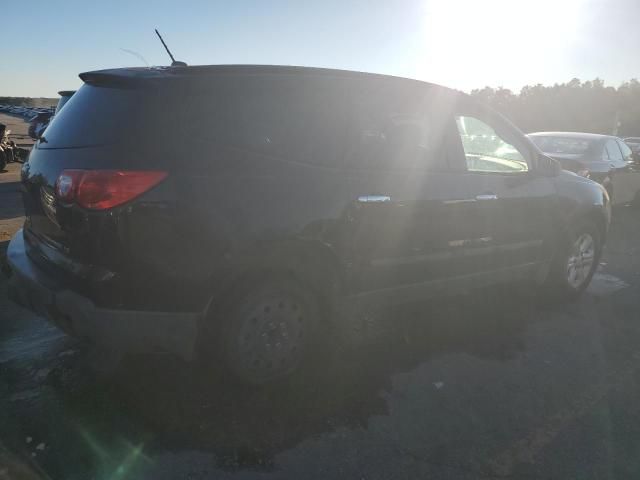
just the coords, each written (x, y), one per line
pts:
(487, 386)
(11, 212)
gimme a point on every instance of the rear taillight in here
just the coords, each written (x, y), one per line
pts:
(103, 189)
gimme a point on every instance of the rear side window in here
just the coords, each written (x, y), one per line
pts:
(320, 120)
(103, 116)
(291, 118)
(396, 125)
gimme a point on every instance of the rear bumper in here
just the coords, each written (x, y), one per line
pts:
(123, 330)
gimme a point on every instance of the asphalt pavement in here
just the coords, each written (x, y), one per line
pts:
(490, 385)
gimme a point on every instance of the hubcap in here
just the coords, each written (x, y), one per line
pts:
(581, 258)
(270, 338)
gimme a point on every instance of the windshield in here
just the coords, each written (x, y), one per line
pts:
(562, 145)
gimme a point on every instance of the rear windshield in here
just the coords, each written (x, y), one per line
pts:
(101, 116)
(562, 145)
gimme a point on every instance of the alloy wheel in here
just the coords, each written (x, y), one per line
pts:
(580, 262)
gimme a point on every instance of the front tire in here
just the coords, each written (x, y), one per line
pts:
(267, 331)
(575, 262)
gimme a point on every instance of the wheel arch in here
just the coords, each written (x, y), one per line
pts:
(311, 263)
(600, 220)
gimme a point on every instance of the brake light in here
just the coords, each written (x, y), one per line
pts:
(103, 189)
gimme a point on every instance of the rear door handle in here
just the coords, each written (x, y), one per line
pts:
(487, 196)
(374, 198)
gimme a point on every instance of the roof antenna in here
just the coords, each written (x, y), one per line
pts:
(174, 62)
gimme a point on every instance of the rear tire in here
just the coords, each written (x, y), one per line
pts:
(575, 262)
(267, 330)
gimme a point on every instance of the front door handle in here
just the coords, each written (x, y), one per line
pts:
(487, 196)
(374, 198)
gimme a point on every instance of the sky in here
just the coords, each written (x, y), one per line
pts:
(463, 44)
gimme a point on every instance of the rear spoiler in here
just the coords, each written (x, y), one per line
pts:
(121, 78)
(107, 80)
(137, 75)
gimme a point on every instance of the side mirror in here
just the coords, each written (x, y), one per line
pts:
(547, 166)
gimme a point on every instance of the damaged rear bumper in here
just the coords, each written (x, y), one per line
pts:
(122, 330)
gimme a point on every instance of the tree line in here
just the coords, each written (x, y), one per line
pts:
(28, 101)
(574, 106)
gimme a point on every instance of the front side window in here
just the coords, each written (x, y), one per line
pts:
(485, 150)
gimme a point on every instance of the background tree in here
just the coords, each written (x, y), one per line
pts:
(573, 106)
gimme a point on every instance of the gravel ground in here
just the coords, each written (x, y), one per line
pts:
(492, 385)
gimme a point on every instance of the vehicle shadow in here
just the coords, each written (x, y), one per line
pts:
(176, 407)
(10, 200)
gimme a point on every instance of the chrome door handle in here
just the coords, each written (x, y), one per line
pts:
(374, 198)
(487, 196)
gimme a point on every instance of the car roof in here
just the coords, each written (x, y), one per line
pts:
(134, 74)
(576, 135)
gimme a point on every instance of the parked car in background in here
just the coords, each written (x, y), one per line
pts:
(43, 116)
(634, 145)
(8, 150)
(4, 154)
(306, 192)
(39, 123)
(601, 158)
(65, 95)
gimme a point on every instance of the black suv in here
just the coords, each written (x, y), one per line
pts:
(233, 212)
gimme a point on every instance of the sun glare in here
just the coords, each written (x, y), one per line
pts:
(469, 43)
